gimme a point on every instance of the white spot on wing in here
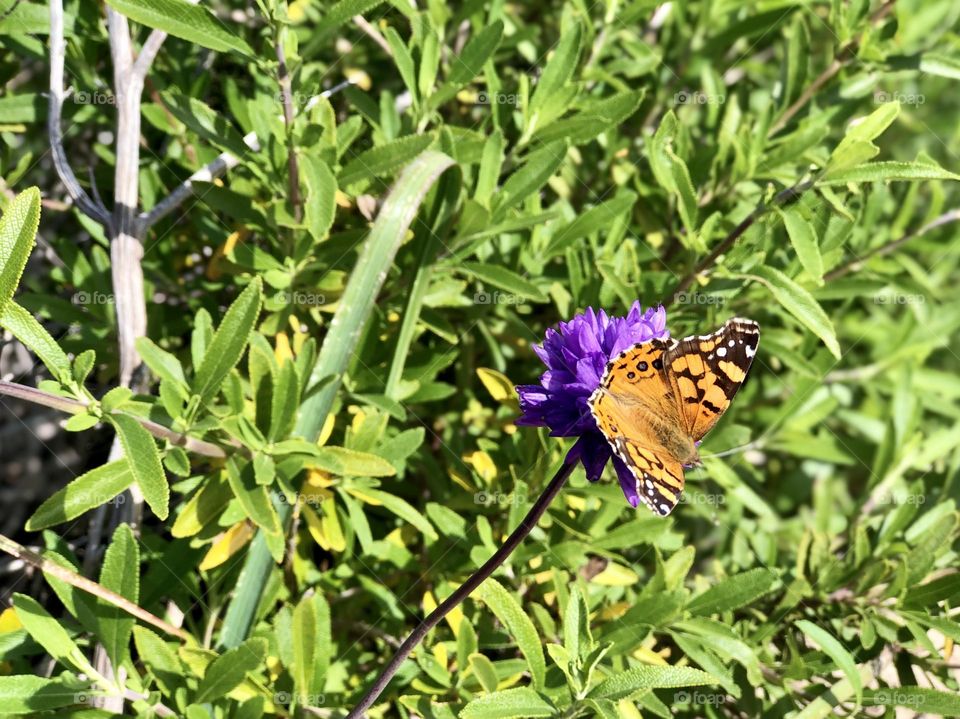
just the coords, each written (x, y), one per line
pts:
(722, 352)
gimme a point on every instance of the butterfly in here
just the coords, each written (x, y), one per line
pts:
(657, 399)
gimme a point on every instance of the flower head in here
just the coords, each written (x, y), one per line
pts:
(576, 354)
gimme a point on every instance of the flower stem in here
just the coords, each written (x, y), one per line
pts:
(465, 589)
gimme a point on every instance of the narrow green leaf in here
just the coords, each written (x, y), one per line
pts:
(179, 18)
(343, 11)
(468, 64)
(559, 69)
(888, 171)
(120, 573)
(596, 219)
(351, 462)
(18, 230)
(304, 646)
(27, 694)
(733, 592)
(229, 669)
(48, 633)
(799, 303)
(533, 175)
(31, 333)
(320, 206)
(404, 510)
(229, 341)
(89, 490)
(253, 497)
(157, 655)
(512, 616)
(836, 651)
(143, 458)
(504, 279)
(922, 700)
(163, 364)
(628, 683)
(803, 237)
(520, 702)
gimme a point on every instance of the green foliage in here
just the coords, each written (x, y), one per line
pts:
(327, 443)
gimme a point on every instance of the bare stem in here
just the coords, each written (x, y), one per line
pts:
(465, 589)
(72, 578)
(293, 170)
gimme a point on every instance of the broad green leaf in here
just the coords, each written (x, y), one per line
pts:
(304, 646)
(143, 458)
(96, 487)
(512, 616)
(343, 11)
(229, 669)
(18, 228)
(733, 592)
(120, 573)
(626, 684)
(836, 651)
(520, 702)
(804, 239)
(485, 672)
(31, 333)
(505, 279)
(28, 694)
(182, 19)
(799, 303)
(157, 655)
(228, 343)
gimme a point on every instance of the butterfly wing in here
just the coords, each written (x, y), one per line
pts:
(635, 409)
(706, 371)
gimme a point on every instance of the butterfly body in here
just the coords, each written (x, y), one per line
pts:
(658, 399)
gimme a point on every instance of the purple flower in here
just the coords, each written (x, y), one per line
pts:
(576, 354)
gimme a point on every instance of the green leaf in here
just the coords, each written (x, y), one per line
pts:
(404, 510)
(120, 573)
(512, 616)
(48, 633)
(519, 702)
(343, 11)
(922, 700)
(31, 333)
(539, 167)
(559, 69)
(383, 160)
(18, 230)
(351, 463)
(229, 341)
(626, 684)
(468, 64)
(403, 60)
(596, 219)
(836, 651)
(284, 402)
(799, 303)
(89, 490)
(163, 364)
(161, 660)
(504, 279)
(888, 171)
(803, 237)
(179, 18)
(253, 497)
(229, 669)
(320, 206)
(304, 646)
(143, 458)
(733, 592)
(26, 694)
